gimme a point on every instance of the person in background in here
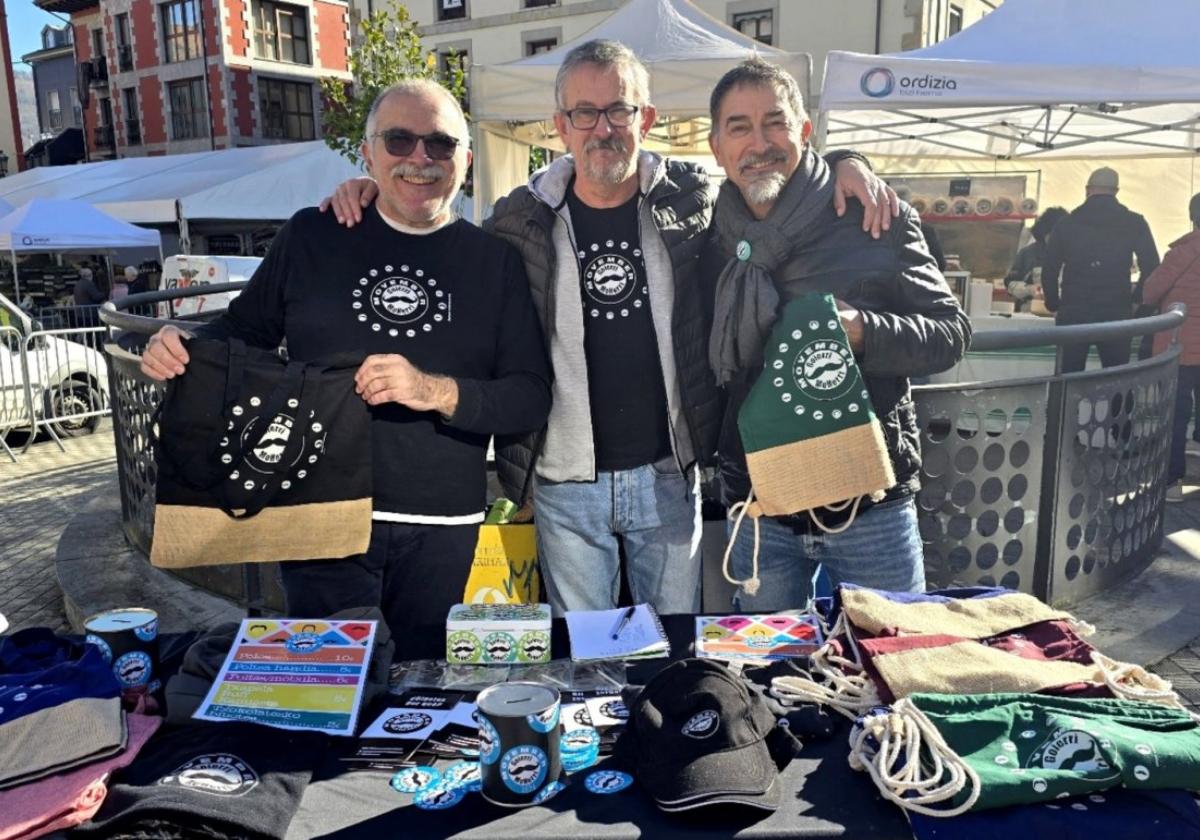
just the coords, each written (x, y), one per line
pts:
(87, 292)
(1093, 249)
(1024, 279)
(1177, 280)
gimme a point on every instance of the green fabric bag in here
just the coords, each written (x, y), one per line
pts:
(807, 426)
(1012, 749)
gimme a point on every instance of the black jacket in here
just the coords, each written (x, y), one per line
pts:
(1093, 248)
(682, 208)
(912, 326)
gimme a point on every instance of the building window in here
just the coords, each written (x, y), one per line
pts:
(758, 25)
(286, 109)
(133, 123)
(124, 45)
(955, 23)
(53, 110)
(281, 32)
(181, 30)
(188, 116)
(540, 45)
(449, 61)
(535, 4)
(97, 43)
(76, 108)
(451, 9)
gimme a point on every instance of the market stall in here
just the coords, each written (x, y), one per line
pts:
(685, 51)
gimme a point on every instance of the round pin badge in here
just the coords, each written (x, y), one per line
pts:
(545, 720)
(742, 252)
(608, 781)
(464, 774)
(574, 762)
(582, 740)
(548, 792)
(415, 779)
(524, 768)
(439, 797)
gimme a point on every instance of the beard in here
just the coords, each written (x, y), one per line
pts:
(762, 188)
(614, 172)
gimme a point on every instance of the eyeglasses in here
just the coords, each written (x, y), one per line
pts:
(618, 116)
(400, 142)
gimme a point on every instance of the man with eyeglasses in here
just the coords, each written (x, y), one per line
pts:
(454, 354)
(611, 236)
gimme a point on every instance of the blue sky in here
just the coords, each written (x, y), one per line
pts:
(25, 22)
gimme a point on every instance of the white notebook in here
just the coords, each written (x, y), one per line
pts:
(641, 637)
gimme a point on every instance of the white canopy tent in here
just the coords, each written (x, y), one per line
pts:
(685, 51)
(1035, 78)
(262, 182)
(57, 225)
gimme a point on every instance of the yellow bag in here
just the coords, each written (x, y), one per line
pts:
(505, 567)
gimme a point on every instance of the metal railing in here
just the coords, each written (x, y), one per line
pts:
(1051, 484)
(53, 381)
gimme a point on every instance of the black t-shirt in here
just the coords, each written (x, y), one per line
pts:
(454, 302)
(625, 381)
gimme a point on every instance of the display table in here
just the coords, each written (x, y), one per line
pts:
(822, 796)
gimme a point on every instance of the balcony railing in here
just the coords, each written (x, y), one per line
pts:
(103, 137)
(99, 73)
(125, 58)
(133, 132)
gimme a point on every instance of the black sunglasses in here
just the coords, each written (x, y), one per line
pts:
(400, 142)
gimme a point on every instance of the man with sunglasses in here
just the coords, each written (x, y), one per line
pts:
(454, 354)
(611, 236)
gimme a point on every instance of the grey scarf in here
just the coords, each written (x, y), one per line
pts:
(747, 301)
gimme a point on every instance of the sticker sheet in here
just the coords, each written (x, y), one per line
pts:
(777, 636)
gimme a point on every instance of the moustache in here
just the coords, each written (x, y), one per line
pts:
(412, 170)
(612, 144)
(767, 159)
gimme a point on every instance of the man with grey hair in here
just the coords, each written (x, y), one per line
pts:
(777, 236)
(453, 354)
(611, 235)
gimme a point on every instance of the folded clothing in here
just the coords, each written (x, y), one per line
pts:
(215, 780)
(971, 612)
(63, 801)
(40, 670)
(54, 740)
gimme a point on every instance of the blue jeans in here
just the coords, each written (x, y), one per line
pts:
(881, 549)
(652, 511)
(1189, 382)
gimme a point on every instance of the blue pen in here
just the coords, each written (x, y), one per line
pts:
(623, 621)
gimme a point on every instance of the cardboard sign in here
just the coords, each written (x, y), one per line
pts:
(505, 567)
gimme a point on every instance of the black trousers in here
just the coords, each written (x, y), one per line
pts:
(1112, 353)
(413, 573)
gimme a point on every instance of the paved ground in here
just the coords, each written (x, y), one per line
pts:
(38, 497)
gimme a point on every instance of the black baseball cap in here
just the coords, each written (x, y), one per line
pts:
(701, 739)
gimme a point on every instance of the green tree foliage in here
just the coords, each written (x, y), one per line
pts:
(390, 52)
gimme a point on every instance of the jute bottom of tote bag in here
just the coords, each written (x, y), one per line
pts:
(260, 461)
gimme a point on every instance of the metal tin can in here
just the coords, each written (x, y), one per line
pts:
(518, 742)
(128, 638)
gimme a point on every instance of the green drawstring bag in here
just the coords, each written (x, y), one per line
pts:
(808, 429)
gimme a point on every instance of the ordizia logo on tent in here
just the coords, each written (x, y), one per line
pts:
(400, 301)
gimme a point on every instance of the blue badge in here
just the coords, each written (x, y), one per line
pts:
(148, 632)
(489, 741)
(608, 781)
(415, 779)
(464, 774)
(304, 643)
(576, 761)
(548, 792)
(105, 650)
(132, 668)
(524, 768)
(583, 740)
(439, 797)
(742, 252)
(544, 721)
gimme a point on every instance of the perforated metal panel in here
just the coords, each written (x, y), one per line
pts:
(981, 484)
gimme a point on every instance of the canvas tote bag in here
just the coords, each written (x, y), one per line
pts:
(807, 426)
(260, 460)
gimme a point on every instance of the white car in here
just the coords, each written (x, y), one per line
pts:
(68, 379)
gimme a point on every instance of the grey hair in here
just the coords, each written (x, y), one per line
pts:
(418, 87)
(759, 73)
(604, 53)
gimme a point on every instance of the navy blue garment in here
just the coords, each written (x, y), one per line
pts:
(41, 670)
(1114, 814)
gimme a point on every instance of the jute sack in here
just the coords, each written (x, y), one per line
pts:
(807, 426)
(260, 460)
